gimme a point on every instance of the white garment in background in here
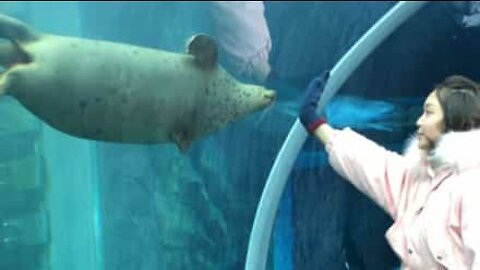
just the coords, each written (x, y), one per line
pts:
(473, 19)
(467, 13)
(242, 32)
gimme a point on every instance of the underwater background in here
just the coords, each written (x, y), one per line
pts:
(70, 203)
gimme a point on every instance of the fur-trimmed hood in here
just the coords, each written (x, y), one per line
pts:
(460, 150)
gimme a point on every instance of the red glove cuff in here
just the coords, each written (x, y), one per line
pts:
(315, 124)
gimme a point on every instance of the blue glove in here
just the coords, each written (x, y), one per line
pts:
(308, 117)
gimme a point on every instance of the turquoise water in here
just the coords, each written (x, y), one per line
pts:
(72, 203)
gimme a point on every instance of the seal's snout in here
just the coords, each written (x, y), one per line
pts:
(270, 95)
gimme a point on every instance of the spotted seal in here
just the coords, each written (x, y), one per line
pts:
(122, 93)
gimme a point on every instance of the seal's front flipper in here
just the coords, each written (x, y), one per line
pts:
(182, 140)
(204, 49)
(11, 80)
(11, 54)
(5, 82)
(16, 30)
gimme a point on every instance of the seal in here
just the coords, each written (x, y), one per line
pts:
(114, 92)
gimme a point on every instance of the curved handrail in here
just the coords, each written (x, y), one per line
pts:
(267, 209)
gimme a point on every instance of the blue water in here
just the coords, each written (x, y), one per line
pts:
(143, 207)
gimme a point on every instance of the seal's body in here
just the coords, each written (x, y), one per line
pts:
(115, 92)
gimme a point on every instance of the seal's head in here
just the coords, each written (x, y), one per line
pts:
(227, 100)
(235, 98)
(224, 99)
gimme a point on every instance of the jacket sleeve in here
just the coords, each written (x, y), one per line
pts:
(375, 171)
(470, 226)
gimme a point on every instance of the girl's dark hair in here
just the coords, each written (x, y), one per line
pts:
(459, 98)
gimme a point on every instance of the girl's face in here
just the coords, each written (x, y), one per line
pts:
(430, 124)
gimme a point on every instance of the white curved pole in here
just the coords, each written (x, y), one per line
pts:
(267, 209)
